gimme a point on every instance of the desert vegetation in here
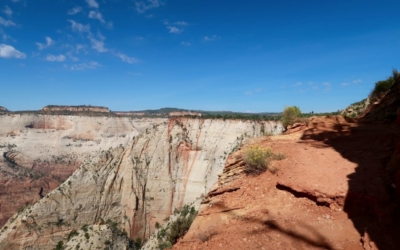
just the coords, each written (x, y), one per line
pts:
(381, 87)
(290, 115)
(176, 229)
(259, 159)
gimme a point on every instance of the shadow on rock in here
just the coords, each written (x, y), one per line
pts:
(372, 201)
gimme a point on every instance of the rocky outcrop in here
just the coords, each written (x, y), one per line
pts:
(81, 108)
(39, 152)
(3, 109)
(160, 165)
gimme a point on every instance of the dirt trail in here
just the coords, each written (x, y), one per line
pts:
(331, 192)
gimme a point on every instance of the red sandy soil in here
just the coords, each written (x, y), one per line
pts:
(331, 192)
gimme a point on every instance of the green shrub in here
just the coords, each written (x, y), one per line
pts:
(384, 85)
(177, 229)
(72, 234)
(257, 159)
(290, 115)
(60, 245)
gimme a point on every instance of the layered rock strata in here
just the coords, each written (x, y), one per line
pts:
(159, 165)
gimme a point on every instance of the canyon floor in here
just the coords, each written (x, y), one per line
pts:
(330, 192)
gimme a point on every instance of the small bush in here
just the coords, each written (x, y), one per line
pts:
(382, 86)
(279, 156)
(72, 234)
(60, 245)
(290, 115)
(257, 159)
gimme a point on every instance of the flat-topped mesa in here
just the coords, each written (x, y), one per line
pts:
(80, 108)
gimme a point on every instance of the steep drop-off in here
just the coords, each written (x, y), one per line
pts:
(153, 167)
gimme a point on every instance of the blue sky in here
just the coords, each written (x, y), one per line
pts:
(247, 56)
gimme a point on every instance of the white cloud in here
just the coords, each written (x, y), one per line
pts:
(83, 66)
(80, 46)
(186, 43)
(181, 23)
(6, 23)
(327, 86)
(74, 10)
(92, 3)
(79, 27)
(7, 10)
(53, 58)
(98, 44)
(297, 84)
(143, 6)
(357, 81)
(250, 92)
(6, 37)
(310, 83)
(7, 51)
(344, 84)
(96, 15)
(49, 42)
(127, 59)
(212, 38)
(174, 30)
(110, 25)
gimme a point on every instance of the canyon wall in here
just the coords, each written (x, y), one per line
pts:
(39, 152)
(135, 172)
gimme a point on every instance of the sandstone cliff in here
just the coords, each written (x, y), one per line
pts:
(159, 165)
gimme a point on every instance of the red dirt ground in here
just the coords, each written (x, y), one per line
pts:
(331, 192)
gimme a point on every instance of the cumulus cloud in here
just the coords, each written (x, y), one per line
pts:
(7, 51)
(53, 58)
(6, 23)
(143, 6)
(83, 66)
(174, 30)
(357, 81)
(211, 38)
(7, 10)
(92, 4)
(126, 58)
(74, 10)
(96, 15)
(48, 43)
(344, 84)
(79, 27)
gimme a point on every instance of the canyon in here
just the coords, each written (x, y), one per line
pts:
(62, 173)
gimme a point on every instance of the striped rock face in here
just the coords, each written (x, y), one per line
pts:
(131, 171)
